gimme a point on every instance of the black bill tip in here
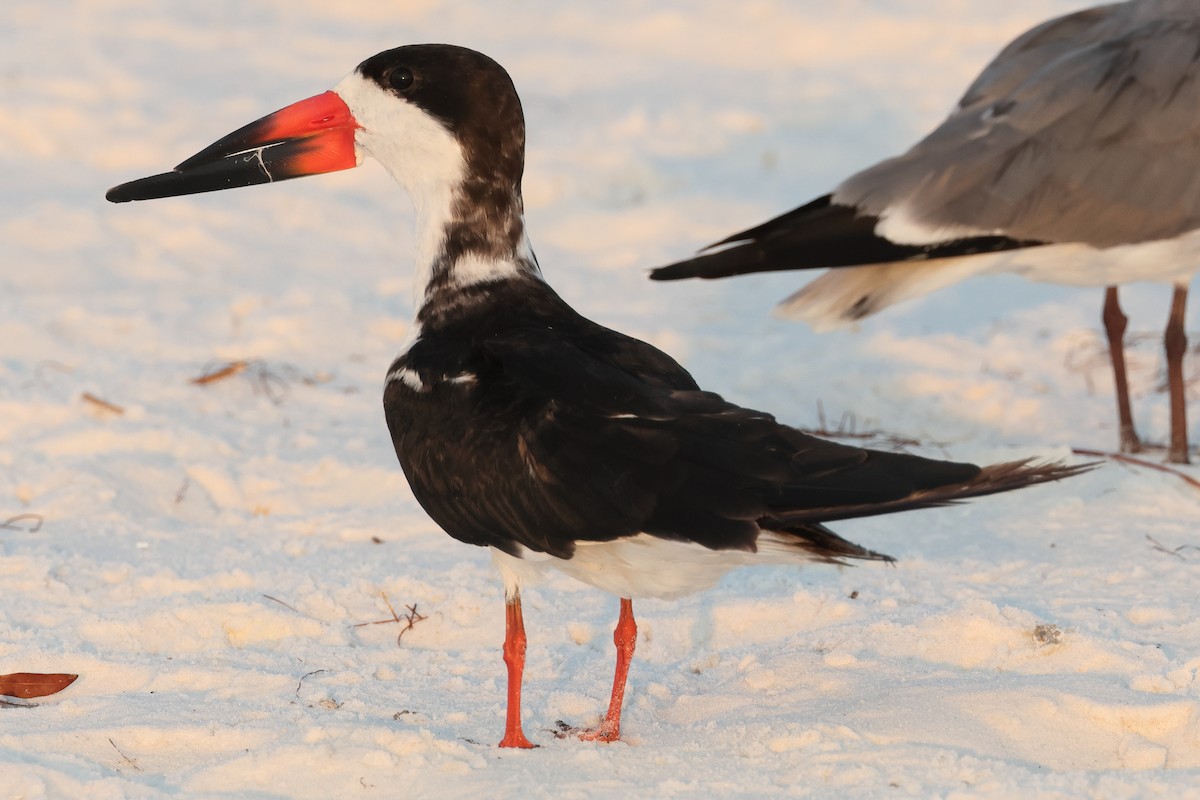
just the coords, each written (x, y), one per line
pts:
(246, 169)
(306, 138)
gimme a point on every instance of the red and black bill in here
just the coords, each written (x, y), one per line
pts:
(306, 138)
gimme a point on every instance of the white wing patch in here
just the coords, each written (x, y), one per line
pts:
(406, 376)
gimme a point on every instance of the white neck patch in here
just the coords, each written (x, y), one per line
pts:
(427, 160)
(418, 152)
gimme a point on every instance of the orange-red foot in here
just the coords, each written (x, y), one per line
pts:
(517, 739)
(601, 734)
(605, 732)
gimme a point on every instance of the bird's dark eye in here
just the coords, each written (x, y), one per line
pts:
(400, 79)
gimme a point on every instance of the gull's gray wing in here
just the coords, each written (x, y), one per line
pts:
(1084, 129)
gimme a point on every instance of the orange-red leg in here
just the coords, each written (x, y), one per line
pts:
(625, 638)
(514, 658)
(1175, 342)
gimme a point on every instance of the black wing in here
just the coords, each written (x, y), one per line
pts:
(558, 441)
(817, 235)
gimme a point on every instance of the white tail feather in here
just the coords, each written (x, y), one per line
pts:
(843, 296)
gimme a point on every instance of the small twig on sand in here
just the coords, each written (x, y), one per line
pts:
(101, 404)
(847, 428)
(409, 620)
(1137, 462)
(1177, 551)
(305, 675)
(33, 523)
(221, 373)
(267, 380)
(128, 760)
(285, 605)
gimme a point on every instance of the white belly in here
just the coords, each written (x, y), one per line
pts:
(1166, 261)
(643, 565)
(843, 296)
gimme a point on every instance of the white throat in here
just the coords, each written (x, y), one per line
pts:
(424, 157)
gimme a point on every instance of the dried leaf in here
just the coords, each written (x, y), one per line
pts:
(34, 684)
(229, 370)
(102, 404)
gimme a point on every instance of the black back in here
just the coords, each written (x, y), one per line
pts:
(566, 431)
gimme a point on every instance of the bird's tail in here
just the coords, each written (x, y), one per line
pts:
(992, 479)
(841, 297)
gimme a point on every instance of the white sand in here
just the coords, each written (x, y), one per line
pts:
(205, 555)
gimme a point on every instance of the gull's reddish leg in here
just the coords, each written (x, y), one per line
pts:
(625, 638)
(1175, 343)
(1114, 325)
(514, 658)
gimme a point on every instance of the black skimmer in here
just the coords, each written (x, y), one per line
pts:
(523, 427)
(1072, 159)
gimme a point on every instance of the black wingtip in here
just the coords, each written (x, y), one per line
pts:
(698, 266)
(821, 234)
